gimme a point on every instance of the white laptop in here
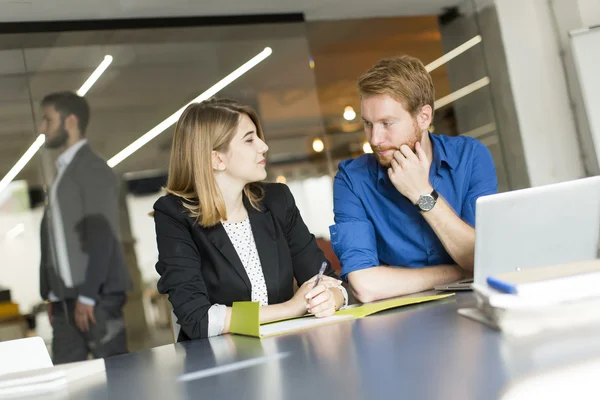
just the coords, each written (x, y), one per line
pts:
(544, 225)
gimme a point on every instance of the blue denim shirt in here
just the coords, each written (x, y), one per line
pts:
(376, 225)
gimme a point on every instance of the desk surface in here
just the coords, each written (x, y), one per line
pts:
(425, 351)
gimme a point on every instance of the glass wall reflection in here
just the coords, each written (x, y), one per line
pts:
(147, 76)
(304, 91)
(21, 209)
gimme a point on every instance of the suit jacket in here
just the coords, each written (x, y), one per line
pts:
(87, 196)
(199, 266)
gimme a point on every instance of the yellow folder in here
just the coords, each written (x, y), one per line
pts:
(372, 308)
(245, 316)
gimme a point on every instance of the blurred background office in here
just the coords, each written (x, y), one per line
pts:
(504, 71)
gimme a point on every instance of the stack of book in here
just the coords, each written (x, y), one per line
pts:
(537, 300)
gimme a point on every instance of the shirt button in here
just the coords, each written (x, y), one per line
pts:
(431, 252)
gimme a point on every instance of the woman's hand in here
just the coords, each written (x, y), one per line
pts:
(321, 301)
(299, 303)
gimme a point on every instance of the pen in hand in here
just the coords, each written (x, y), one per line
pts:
(321, 271)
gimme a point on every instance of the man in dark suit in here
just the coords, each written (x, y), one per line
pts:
(83, 275)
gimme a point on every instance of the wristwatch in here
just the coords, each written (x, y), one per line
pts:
(427, 201)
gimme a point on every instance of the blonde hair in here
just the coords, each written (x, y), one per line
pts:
(203, 128)
(403, 78)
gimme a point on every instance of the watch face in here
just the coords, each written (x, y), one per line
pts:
(426, 202)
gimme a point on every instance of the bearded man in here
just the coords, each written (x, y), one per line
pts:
(405, 214)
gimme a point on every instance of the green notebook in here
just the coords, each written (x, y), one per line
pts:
(245, 316)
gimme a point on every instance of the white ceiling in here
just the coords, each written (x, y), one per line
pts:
(44, 10)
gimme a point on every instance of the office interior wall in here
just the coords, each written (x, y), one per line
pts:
(537, 78)
(584, 45)
(589, 11)
(552, 143)
(488, 113)
(532, 97)
(569, 16)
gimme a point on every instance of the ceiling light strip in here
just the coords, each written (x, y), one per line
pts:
(460, 93)
(453, 53)
(15, 231)
(14, 171)
(216, 88)
(87, 85)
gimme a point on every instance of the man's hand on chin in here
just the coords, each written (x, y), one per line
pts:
(409, 172)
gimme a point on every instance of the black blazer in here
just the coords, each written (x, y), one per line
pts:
(199, 266)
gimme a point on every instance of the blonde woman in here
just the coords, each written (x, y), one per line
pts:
(224, 236)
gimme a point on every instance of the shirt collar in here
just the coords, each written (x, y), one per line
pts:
(67, 156)
(439, 155)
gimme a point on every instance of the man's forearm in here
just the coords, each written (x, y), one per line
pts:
(378, 283)
(457, 236)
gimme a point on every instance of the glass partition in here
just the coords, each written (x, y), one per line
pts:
(304, 91)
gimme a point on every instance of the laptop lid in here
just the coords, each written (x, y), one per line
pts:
(545, 225)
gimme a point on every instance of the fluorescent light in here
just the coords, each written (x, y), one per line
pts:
(453, 53)
(216, 88)
(461, 93)
(14, 171)
(489, 140)
(481, 131)
(15, 231)
(95, 75)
